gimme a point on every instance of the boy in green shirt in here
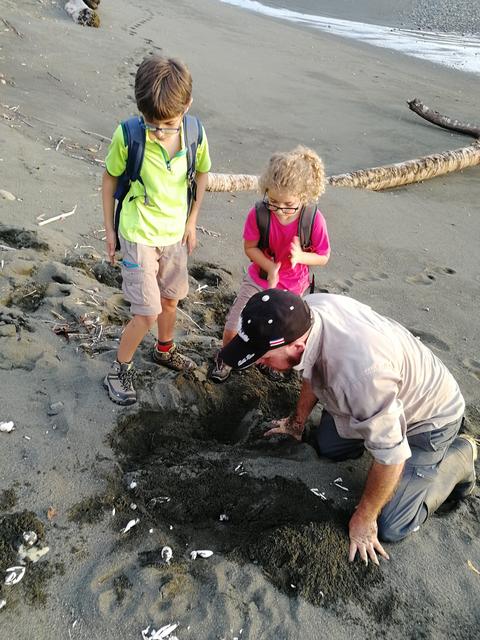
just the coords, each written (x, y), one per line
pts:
(155, 233)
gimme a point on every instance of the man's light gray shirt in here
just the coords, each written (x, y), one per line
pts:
(378, 381)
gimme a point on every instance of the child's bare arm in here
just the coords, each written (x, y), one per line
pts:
(297, 256)
(257, 256)
(109, 186)
(190, 235)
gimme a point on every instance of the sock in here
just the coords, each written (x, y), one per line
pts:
(164, 346)
(129, 364)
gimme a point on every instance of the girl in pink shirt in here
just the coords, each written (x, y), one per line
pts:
(291, 181)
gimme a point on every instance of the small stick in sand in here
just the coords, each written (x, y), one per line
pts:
(4, 247)
(207, 232)
(29, 294)
(52, 76)
(9, 25)
(190, 318)
(59, 143)
(62, 216)
(98, 135)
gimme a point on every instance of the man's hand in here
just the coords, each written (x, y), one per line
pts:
(272, 275)
(286, 427)
(110, 242)
(190, 237)
(363, 538)
(296, 253)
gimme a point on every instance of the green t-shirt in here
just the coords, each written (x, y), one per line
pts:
(162, 221)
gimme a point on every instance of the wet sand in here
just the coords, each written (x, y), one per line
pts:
(411, 253)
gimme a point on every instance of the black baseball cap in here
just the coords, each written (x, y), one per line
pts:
(270, 319)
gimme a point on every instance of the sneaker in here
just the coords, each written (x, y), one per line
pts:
(467, 486)
(220, 371)
(173, 359)
(271, 374)
(119, 383)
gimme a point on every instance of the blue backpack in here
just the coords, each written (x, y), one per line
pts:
(134, 134)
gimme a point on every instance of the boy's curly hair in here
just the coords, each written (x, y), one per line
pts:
(163, 88)
(300, 172)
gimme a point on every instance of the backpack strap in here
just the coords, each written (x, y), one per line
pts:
(305, 225)
(263, 224)
(134, 136)
(193, 138)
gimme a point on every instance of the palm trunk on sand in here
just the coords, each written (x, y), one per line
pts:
(375, 178)
(391, 175)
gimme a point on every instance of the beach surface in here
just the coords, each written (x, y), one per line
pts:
(78, 469)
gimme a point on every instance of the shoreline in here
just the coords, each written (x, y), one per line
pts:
(452, 50)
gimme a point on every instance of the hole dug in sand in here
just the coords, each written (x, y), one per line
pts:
(198, 480)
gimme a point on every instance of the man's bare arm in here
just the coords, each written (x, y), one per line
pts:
(380, 486)
(295, 424)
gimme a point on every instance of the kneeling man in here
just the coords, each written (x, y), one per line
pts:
(381, 389)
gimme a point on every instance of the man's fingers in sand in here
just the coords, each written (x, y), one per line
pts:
(367, 550)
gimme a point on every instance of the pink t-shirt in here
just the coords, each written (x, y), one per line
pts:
(295, 279)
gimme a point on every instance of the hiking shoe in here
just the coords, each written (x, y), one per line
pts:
(119, 383)
(173, 359)
(220, 371)
(469, 444)
(271, 374)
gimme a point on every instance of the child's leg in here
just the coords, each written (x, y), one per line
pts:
(133, 334)
(139, 272)
(228, 335)
(248, 288)
(166, 320)
(221, 371)
(172, 281)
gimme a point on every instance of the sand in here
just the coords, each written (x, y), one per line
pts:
(412, 254)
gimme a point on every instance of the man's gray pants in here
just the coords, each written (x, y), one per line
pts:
(407, 510)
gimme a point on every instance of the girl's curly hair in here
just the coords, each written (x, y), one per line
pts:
(300, 172)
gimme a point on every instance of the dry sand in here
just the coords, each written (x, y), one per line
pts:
(412, 253)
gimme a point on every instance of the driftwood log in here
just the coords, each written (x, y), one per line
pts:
(388, 176)
(445, 122)
(375, 178)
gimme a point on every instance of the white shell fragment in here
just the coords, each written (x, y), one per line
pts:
(318, 493)
(161, 634)
(6, 195)
(2, 603)
(200, 553)
(130, 525)
(223, 517)
(167, 554)
(7, 427)
(159, 500)
(33, 554)
(14, 575)
(338, 483)
(29, 538)
(133, 485)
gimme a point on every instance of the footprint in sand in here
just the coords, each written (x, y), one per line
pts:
(473, 366)
(341, 286)
(427, 277)
(430, 339)
(369, 276)
(133, 28)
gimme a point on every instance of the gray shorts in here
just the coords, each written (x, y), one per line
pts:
(152, 273)
(248, 288)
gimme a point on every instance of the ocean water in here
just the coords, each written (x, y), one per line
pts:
(449, 49)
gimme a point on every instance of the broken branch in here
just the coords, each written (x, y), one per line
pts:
(443, 121)
(62, 216)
